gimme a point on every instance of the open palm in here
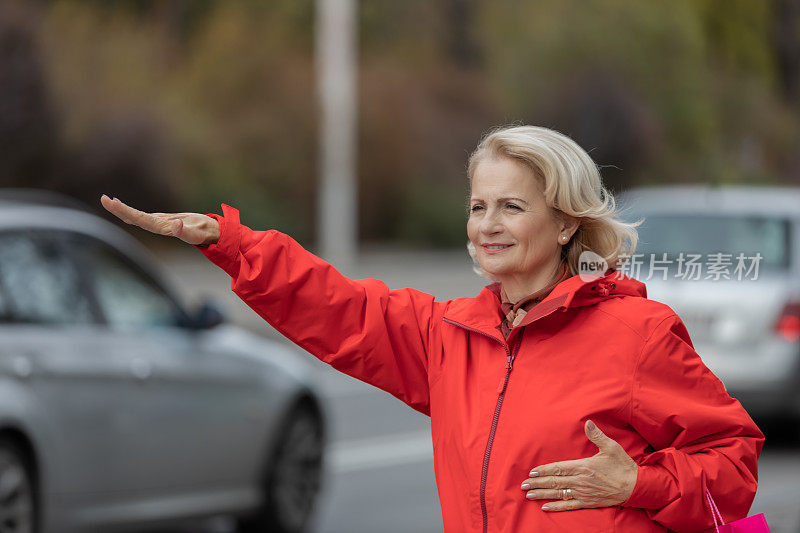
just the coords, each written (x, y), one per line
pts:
(192, 228)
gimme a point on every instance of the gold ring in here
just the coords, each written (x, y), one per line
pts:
(566, 494)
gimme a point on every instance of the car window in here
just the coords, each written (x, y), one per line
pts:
(128, 297)
(5, 307)
(39, 283)
(711, 234)
(5, 311)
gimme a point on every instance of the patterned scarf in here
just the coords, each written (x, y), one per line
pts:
(514, 313)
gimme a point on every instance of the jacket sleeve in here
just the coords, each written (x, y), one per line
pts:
(702, 438)
(359, 327)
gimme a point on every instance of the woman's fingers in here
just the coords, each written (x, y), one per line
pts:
(127, 214)
(556, 498)
(550, 482)
(160, 223)
(564, 505)
(563, 468)
(546, 494)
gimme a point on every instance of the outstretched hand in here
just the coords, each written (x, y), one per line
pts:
(603, 480)
(192, 228)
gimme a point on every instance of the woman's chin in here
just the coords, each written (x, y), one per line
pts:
(495, 270)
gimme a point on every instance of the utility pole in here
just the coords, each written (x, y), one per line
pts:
(336, 45)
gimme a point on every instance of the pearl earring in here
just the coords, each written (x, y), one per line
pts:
(564, 238)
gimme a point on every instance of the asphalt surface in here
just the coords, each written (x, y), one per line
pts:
(380, 469)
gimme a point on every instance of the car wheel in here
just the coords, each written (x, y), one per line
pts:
(17, 510)
(293, 480)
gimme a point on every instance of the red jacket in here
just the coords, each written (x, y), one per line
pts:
(595, 350)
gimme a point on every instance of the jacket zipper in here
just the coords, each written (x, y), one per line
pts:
(501, 394)
(501, 391)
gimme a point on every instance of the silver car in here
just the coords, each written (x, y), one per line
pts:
(120, 410)
(742, 304)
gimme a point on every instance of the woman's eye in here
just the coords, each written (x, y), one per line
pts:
(513, 206)
(476, 208)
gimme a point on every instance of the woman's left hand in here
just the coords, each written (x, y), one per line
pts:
(603, 480)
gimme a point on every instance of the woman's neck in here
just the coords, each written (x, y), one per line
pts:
(516, 288)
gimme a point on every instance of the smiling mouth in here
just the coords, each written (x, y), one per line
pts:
(496, 246)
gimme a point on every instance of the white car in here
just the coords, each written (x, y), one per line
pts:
(741, 306)
(121, 410)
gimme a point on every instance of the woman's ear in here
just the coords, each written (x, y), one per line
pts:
(568, 225)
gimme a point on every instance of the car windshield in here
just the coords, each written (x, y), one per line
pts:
(679, 236)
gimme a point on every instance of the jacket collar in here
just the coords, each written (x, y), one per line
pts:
(483, 313)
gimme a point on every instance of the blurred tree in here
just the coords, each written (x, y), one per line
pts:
(111, 140)
(604, 115)
(749, 58)
(28, 125)
(214, 101)
(738, 35)
(245, 114)
(460, 42)
(225, 115)
(121, 156)
(417, 130)
(571, 65)
(422, 112)
(180, 16)
(786, 40)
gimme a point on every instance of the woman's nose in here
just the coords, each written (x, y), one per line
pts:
(491, 225)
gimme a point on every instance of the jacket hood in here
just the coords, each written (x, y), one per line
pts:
(483, 311)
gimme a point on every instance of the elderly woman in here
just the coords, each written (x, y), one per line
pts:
(558, 402)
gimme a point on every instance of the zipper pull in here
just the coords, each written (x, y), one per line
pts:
(509, 362)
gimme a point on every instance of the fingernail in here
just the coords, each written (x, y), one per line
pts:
(530, 495)
(545, 508)
(591, 425)
(115, 198)
(533, 473)
(526, 486)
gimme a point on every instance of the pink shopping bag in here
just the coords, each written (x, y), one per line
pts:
(751, 524)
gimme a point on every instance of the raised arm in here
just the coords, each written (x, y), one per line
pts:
(702, 437)
(360, 327)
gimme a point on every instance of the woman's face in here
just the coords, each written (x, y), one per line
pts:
(515, 234)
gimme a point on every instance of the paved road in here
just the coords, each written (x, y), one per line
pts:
(380, 474)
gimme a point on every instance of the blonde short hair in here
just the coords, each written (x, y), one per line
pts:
(572, 185)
